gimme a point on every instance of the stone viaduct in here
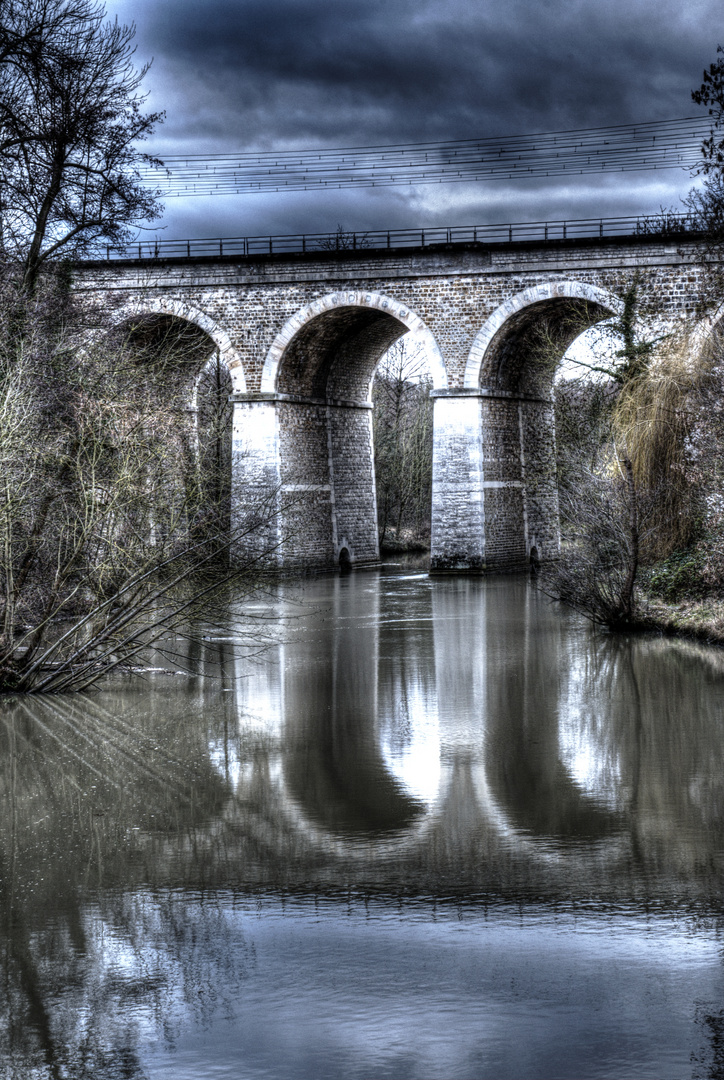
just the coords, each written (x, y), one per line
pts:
(301, 335)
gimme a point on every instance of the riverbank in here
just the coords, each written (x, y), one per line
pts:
(702, 620)
(406, 546)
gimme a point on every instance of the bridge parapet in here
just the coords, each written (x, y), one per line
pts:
(550, 231)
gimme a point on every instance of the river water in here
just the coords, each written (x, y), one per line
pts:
(387, 827)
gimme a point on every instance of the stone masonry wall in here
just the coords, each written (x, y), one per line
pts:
(306, 487)
(355, 510)
(538, 455)
(494, 481)
(453, 293)
(503, 485)
(458, 527)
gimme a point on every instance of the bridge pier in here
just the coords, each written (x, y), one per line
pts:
(304, 487)
(255, 483)
(494, 501)
(458, 527)
(304, 468)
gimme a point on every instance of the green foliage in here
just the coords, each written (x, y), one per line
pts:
(635, 352)
(679, 576)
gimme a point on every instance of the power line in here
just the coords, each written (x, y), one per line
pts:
(664, 144)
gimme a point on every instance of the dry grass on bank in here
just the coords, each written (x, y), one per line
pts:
(652, 419)
(702, 620)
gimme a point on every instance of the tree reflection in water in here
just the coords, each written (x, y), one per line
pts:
(555, 766)
(93, 966)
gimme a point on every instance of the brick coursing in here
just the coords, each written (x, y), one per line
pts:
(494, 467)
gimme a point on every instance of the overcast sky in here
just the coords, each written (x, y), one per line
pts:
(271, 74)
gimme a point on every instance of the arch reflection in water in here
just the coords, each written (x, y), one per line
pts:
(184, 857)
(405, 710)
(348, 733)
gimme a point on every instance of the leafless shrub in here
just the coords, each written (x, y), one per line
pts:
(669, 222)
(654, 415)
(114, 527)
(606, 521)
(343, 240)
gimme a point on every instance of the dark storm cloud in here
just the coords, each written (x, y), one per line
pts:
(301, 70)
(280, 73)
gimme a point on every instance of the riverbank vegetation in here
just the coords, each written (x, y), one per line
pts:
(402, 428)
(115, 500)
(638, 480)
(114, 436)
(641, 444)
(641, 488)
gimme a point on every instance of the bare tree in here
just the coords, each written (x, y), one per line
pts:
(606, 518)
(403, 446)
(342, 240)
(711, 94)
(107, 539)
(615, 451)
(114, 510)
(71, 119)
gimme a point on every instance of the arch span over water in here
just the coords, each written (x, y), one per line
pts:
(388, 310)
(522, 308)
(180, 309)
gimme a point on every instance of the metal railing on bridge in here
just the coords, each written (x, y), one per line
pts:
(654, 225)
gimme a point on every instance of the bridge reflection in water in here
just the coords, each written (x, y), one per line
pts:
(425, 799)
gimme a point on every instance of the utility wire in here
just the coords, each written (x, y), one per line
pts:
(664, 144)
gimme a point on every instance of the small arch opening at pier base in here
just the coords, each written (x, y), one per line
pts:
(321, 368)
(513, 365)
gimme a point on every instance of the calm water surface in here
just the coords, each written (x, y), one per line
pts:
(437, 829)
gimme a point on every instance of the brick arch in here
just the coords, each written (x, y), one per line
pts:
(353, 299)
(200, 376)
(600, 299)
(180, 309)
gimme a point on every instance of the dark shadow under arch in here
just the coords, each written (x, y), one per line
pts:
(334, 355)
